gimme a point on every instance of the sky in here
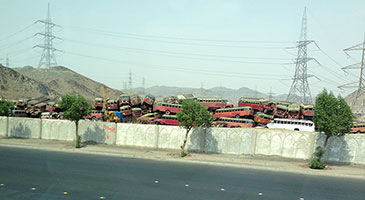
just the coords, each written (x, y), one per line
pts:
(190, 43)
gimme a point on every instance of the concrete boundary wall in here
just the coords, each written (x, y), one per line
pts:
(98, 132)
(24, 127)
(3, 126)
(277, 142)
(55, 129)
(141, 135)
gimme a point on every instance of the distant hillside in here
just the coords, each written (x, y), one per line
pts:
(14, 85)
(217, 92)
(357, 107)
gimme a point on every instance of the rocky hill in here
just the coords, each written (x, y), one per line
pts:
(29, 82)
(14, 85)
(358, 107)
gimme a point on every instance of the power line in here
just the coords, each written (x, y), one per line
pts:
(13, 34)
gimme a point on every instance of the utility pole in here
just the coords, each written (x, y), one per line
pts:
(125, 85)
(360, 84)
(48, 57)
(7, 61)
(143, 84)
(130, 81)
(299, 90)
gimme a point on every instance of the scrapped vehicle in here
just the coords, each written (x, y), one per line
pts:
(124, 100)
(358, 127)
(113, 116)
(50, 106)
(292, 124)
(126, 110)
(235, 122)
(212, 103)
(228, 105)
(136, 112)
(136, 101)
(236, 112)
(148, 100)
(98, 104)
(171, 99)
(294, 111)
(46, 115)
(261, 105)
(167, 120)
(262, 118)
(281, 111)
(112, 105)
(307, 111)
(147, 119)
(166, 108)
(94, 115)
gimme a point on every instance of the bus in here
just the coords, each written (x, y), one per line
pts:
(212, 103)
(136, 112)
(136, 101)
(148, 100)
(358, 127)
(50, 106)
(281, 111)
(170, 99)
(167, 120)
(261, 105)
(124, 100)
(98, 104)
(292, 124)
(94, 115)
(112, 105)
(236, 112)
(126, 110)
(307, 111)
(294, 111)
(235, 122)
(262, 118)
(166, 108)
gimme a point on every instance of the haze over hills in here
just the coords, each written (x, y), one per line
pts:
(29, 82)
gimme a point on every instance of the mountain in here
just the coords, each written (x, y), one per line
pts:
(217, 92)
(14, 85)
(357, 107)
(53, 82)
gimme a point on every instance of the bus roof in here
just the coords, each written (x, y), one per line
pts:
(234, 108)
(172, 116)
(282, 107)
(136, 109)
(214, 99)
(260, 114)
(160, 103)
(98, 99)
(125, 107)
(253, 99)
(238, 119)
(294, 107)
(294, 120)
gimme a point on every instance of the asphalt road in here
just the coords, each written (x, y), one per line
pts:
(50, 174)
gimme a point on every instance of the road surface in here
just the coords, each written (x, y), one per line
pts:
(46, 175)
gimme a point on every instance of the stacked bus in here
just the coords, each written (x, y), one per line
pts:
(259, 105)
(262, 118)
(112, 105)
(98, 104)
(234, 122)
(236, 112)
(281, 111)
(294, 111)
(212, 103)
(167, 120)
(124, 100)
(167, 108)
(126, 110)
(358, 127)
(307, 111)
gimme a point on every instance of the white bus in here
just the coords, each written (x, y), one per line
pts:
(292, 124)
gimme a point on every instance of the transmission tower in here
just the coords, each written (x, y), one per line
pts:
(360, 84)
(7, 61)
(271, 94)
(48, 57)
(143, 84)
(299, 90)
(130, 80)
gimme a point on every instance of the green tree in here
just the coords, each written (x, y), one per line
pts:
(75, 107)
(193, 115)
(5, 107)
(333, 115)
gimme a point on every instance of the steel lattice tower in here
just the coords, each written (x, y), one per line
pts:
(361, 83)
(130, 80)
(48, 57)
(299, 90)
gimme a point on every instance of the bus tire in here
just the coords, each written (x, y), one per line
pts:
(157, 123)
(167, 112)
(238, 116)
(93, 118)
(296, 129)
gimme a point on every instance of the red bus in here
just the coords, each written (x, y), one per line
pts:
(261, 105)
(112, 105)
(233, 112)
(50, 106)
(126, 110)
(170, 99)
(167, 108)
(212, 104)
(136, 112)
(148, 100)
(281, 111)
(307, 111)
(262, 118)
(95, 115)
(294, 111)
(235, 123)
(136, 101)
(98, 104)
(124, 100)
(358, 128)
(167, 120)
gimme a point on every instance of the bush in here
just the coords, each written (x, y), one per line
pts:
(78, 142)
(316, 162)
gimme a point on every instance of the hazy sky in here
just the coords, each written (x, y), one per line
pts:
(186, 43)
